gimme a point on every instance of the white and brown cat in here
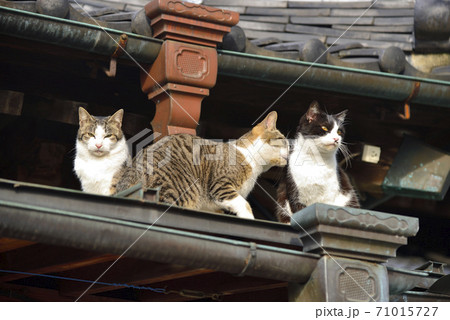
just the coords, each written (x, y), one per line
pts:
(101, 152)
(312, 174)
(203, 174)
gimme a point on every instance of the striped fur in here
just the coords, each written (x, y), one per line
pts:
(203, 174)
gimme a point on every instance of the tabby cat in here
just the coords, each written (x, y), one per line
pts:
(203, 174)
(101, 152)
(312, 174)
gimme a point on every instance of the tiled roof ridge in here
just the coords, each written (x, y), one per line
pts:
(294, 29)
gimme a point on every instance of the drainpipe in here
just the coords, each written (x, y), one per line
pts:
(75, 35)
(105, 235)
(364, 83)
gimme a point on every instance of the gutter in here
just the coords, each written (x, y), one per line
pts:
(145, 241)
(364, 83)
(96, 39)
(75, 35)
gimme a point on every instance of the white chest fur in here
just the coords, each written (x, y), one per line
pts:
(96, 173)
(315, 176)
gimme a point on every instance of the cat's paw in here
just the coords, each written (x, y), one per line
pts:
(342, 200)
(239, 206)
(245, 215)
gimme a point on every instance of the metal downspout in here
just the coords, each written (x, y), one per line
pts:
(64, 228)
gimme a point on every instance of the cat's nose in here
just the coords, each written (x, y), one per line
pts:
(98, 145)
(336, 139)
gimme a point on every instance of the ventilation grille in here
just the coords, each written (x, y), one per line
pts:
(357, 285)
(191, 64)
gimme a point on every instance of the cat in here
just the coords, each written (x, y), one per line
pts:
(101, 152)
(312, 174)
(202, 174)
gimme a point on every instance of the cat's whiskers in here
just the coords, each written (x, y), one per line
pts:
(345, 153)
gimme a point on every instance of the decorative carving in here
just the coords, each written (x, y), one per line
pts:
(194, 11)
(199, 11)
(352, 218)
(368, 220)
(354, 233)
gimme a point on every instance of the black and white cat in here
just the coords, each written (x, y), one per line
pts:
(312, 174)
(101, 152)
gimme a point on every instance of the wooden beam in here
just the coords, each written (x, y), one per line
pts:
(126, 271)
(42, 259)
(218, 284)
(48, 295)
(8, 244)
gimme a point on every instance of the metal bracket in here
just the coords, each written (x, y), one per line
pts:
(407, 107)
(111, 72)
(250, 261)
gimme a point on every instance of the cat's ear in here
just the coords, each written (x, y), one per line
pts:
(83, 115)
(270, 122)
(341, 115)
(313, 111)
(117, 117)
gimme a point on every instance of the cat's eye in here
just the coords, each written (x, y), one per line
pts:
(90, 135)
(108, 136)
(324, 128)
(339, 132)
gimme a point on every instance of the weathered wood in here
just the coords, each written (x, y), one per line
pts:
(218, 283)
(254, 3)
(143, 273)
(275, 19)
(41, 258)
(372, 12)
(321, 31)
(394, 21)
(332, 20)
(11, 102)
(8, 244)
(52, 295)
(394, 29)
(262, 26)
(288, 12)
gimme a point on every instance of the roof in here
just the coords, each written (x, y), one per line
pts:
(356, 33)
(50, 66)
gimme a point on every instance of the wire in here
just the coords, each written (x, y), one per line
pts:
(158, 290)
